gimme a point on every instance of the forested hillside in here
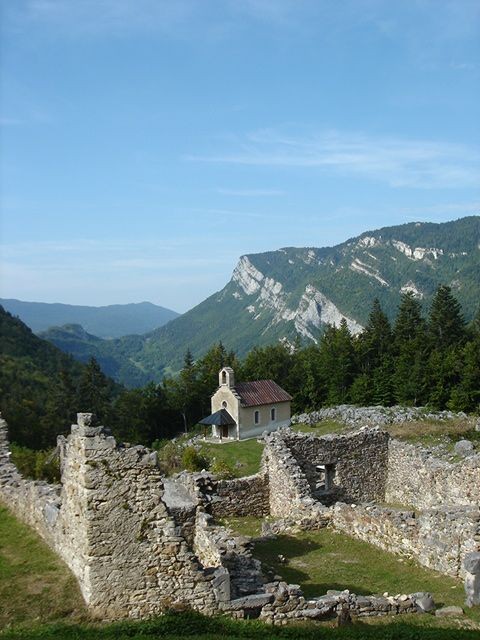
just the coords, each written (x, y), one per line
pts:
(420, 359)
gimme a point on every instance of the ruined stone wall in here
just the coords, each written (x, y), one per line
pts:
(217, 546)
(359, 458)
(111, 527)
(289, 491)
(283, 603)
(421, 480)
(139, 543)
(437, 538)
(247, 496)
(35, 502)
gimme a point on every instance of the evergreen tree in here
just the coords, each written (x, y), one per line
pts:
(446, 325)
(337, 362)
(376, 339)
(411, 353)
(409, 324)
(93, 390)
(373, 348)
(465, 396)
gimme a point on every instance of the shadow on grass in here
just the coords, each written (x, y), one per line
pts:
(178, 626)
(268, 553)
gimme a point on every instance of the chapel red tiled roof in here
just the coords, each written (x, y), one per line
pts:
(261, 392)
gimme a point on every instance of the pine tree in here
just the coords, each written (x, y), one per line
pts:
(93, 390)
(376, 339)
(446, 325)
(411, 353)
(409, 323)
(337, 362)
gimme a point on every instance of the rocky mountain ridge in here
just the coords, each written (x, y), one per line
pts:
(293, 293)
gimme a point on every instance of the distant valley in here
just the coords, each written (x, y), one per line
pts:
(293, 293)
(112, 321)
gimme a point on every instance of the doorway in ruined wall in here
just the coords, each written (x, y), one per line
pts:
(325, 478)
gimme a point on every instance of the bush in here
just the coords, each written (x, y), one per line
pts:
(222, 469)
(37, 465)
(192, 460)
(170, 457)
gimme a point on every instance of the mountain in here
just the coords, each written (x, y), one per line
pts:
(294, 292)
(111, 355)
(112, 321)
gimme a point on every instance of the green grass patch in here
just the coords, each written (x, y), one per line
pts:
(245, 526)
(242, 457)
(325, 559)
(39, 599)
(34, 582)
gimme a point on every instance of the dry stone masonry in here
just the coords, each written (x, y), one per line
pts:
(140, 543)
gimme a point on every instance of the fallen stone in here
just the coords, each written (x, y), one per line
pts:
(423, 601)
(447, 612)
(254, 601)
(464, 448)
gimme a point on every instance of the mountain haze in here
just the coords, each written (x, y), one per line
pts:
(112, 321)
(293, 293)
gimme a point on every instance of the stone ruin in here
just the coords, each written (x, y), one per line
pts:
(140, 543)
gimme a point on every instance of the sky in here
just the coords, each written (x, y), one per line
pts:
(147, 144)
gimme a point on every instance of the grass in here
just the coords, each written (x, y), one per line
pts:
(320, 428)
(39, 599)
(34, 583)
(435, 432)
(325, 559)
(179, 626)
(242, 457)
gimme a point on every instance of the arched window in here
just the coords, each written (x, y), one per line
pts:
(257, 417)
(273, 414)
(224, 405)
(224, 377)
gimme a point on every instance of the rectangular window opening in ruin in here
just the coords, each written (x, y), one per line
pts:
(325, 477)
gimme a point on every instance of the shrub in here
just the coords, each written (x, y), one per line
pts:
(222, 469)
(192, 460)
(37, 465)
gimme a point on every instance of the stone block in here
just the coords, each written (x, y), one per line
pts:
(464, 448)
(449, 612)
(423, 602)
(257, 600)
(472, 589)
(471, 562)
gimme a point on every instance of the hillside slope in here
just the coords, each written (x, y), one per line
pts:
(35, 379)
(112, 321)
(295, 292)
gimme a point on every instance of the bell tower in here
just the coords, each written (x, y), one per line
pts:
(226, 377)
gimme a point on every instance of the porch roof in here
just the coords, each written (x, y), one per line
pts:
(219, 418)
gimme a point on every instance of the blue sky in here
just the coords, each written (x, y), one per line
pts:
(147, 144)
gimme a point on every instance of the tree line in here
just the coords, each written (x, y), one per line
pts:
(417, 360)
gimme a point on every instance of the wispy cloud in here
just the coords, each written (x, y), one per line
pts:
(251, 193)
(399, 162)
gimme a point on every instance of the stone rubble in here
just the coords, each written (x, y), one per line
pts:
(354, 416)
